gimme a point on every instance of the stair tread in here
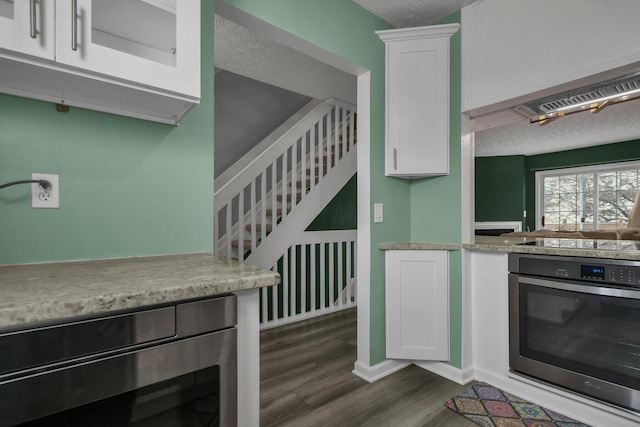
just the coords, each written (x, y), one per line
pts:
(326, 157)
(247, 244)
(259, 227)
(279, 197)
(278, 212)
(307, 182)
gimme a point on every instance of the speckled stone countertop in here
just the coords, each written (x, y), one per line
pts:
(419, 246)
(613, 249)
(49, 291)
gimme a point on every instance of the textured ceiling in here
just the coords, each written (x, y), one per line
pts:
(616, 123)
(260, 58)
(242, 52)
(412, 13)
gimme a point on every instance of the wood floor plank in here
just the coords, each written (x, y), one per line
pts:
(306, 381)
(272, 388)
(328, 388)
(280, 411)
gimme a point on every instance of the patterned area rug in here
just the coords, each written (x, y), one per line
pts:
(491, 407)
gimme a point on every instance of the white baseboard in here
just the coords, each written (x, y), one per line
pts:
(388, 367)
(581, 408)
(381, 370)
(589, 411)
(460, 376)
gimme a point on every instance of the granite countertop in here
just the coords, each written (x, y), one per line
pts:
(612, 249)
(419, 246)
(50, 291)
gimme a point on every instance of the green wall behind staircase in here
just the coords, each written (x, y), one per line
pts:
(342, 212)
(506, 186)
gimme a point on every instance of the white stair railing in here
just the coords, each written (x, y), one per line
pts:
(317, 277)
(268, 188)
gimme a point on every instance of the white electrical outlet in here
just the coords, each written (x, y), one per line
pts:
(45, 198)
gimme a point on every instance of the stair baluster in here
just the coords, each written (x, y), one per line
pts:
(285, 177)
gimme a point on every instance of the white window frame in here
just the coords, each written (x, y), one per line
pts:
(541, 175)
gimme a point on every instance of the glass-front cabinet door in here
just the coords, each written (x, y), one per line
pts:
(27, 27)
(152, 42)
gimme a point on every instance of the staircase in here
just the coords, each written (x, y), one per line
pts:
(265, 202)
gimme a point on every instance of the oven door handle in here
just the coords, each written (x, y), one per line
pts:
(581, 287)
(50, 392)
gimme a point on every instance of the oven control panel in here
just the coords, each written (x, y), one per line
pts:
(621, 275)
(614, 272)
(611, 273)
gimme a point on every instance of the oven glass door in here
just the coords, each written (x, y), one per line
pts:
(587, 329)
(189, 400)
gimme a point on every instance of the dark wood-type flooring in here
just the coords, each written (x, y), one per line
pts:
(306, 380)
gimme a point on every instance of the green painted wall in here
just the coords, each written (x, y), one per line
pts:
(436, 202)
(609, 153)
(500, 188)
(506, 185)
(127, 187)
(342, 27)
(342, 212)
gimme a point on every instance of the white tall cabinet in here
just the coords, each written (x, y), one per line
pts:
(139, 58)
(417, 304)
(417, 100)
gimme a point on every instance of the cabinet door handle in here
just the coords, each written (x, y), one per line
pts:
(74, 24)
(395, 158)
(32, 18)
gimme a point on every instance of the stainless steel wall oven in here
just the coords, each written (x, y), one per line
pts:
(575, 323)
(171, 365)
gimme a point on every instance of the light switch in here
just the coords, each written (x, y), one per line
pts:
(378, 212)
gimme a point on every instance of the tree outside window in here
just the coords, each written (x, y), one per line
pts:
(589, 198)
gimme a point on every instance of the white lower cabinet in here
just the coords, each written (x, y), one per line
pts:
(417, 304)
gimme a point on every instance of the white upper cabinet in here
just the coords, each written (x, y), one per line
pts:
(417, 100)
(134, 40)
(27, 26)
(139, 58)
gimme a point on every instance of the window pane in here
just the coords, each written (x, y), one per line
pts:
(627, 192)
(570, 199)
(552, 220)
(551, 202)
(618, 191)
(607, 208)
(563, 202)
(568, 182)
(608, 180)
(568, 220)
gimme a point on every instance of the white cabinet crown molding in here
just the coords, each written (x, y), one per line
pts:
(444, 30)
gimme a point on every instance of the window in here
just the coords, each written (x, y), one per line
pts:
(587, 198)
